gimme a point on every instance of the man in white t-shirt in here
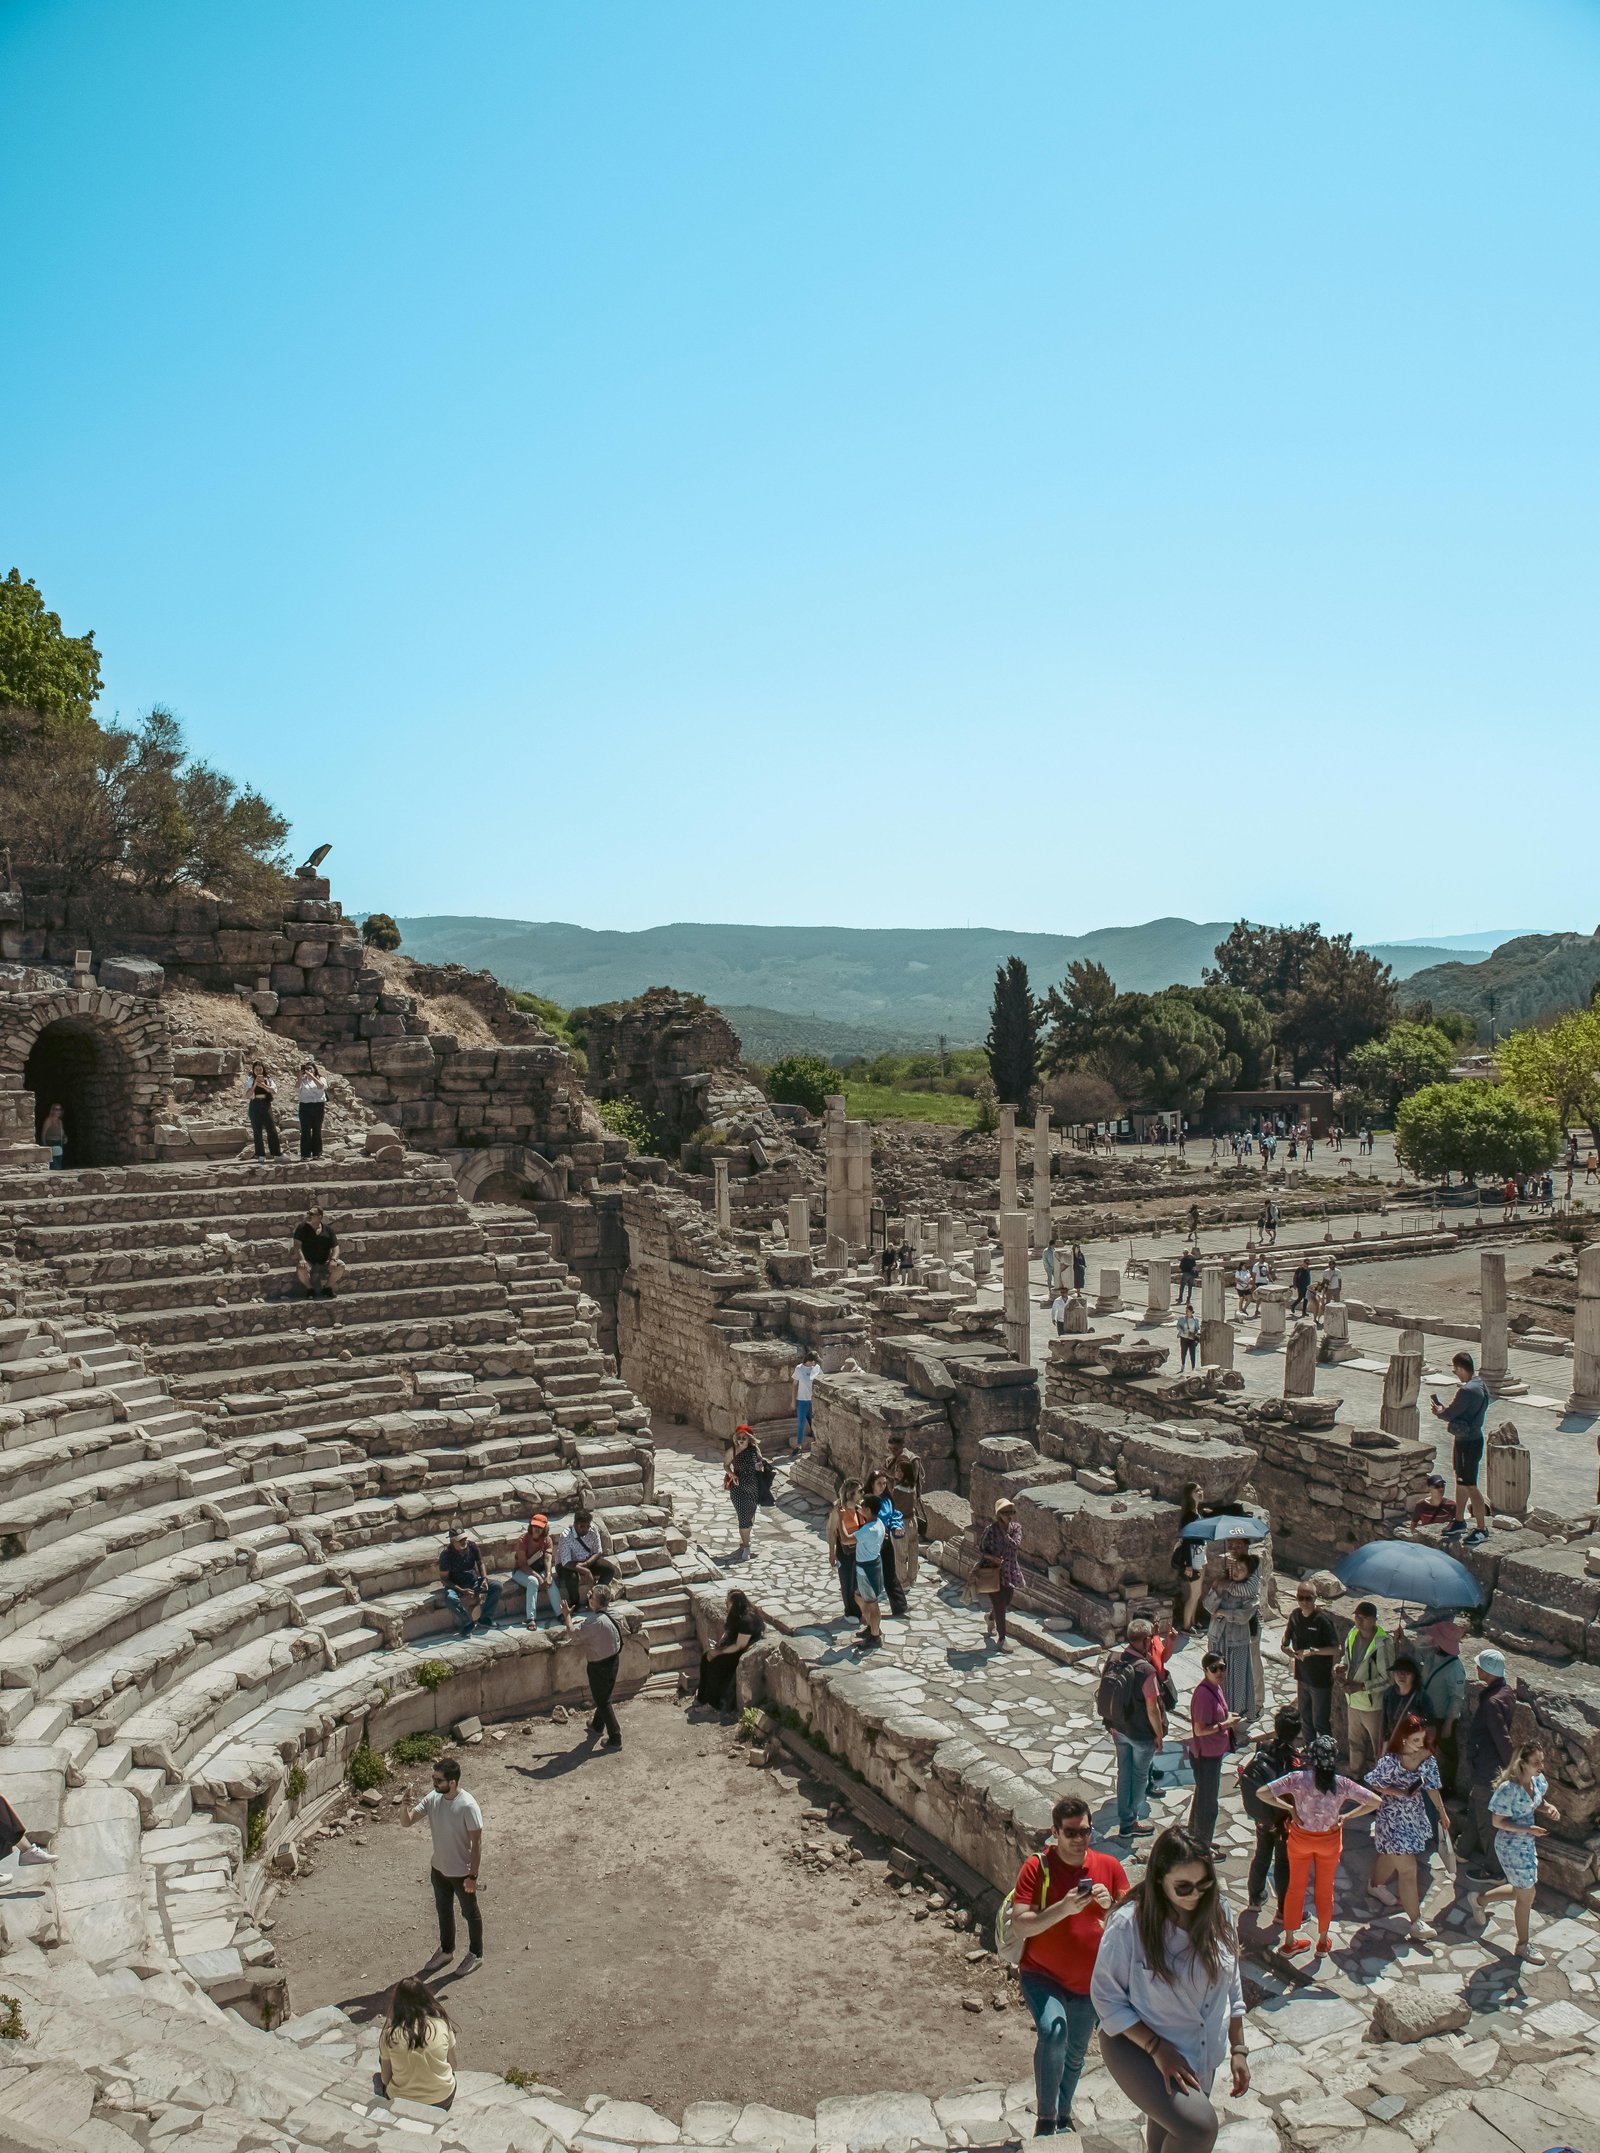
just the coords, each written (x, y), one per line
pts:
(806, 1371)
(1058, 1313)
(456, 1823)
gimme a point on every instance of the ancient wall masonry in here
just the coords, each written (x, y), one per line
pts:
(106, 1057)
(946, 1399)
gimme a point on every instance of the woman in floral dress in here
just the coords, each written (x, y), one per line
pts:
(1407, 1777)
(1516, 1804)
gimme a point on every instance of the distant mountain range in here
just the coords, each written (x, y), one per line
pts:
(845, 990)
(1525, 979)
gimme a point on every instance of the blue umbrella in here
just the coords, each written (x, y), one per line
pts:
(1240, 1527)
(1409, 1570)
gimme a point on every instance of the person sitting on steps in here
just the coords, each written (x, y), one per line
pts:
(470, 1593)
(317, 1268)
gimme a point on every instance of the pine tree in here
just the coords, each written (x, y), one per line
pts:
(1013, 1041)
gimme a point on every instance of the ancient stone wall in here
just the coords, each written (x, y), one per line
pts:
(105, 1058)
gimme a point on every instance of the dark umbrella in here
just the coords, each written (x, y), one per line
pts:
(1242, 1527)
(1409, 1570)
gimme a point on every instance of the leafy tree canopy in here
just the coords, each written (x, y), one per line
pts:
(379, 931)
(1075, 1010)
(1476, 1129)
(1013, 1041)
(1245, 1025)
(1558, 1065)
(1345, 997)
(1402, 1061)
(802, 1080)
(1268, 962)
(45, 674)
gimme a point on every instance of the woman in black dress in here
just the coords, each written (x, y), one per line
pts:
(747, 1476)
(719, 1666)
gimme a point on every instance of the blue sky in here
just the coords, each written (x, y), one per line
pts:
(1033, 464)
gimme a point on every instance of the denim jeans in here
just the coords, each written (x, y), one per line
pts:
(1134, 1760)
(1064, 2023)
(802, 1421)
(458, 1606)
(530, 1589)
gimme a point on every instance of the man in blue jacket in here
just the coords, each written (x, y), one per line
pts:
(1464, 1417)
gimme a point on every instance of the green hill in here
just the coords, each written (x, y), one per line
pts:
(898, 985)
(1531, 977)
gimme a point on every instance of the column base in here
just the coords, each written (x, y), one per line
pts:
(1583, 1402)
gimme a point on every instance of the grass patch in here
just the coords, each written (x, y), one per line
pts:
(255, 1831)
(517, 2076)
(749, 1728)
(11, 2026)
(883, 1102)
(296, 1783)
(368, 1768)
(433, 1674)
(417, 1749)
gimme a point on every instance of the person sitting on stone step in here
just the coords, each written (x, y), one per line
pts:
(470, 1593)
(317, 1267)
(577, 1558)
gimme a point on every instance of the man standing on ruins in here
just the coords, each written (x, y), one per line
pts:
(806, 1371)
(1312, 1642)
(456, 1823)
(1188, 1271)
(1464, 1416)
(1362, 1672)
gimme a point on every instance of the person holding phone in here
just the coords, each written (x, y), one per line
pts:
(1212, 1731)
(1464, 1417)
(1059, 1906)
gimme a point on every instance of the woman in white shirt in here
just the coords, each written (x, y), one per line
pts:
(1167, 1993)
(312, 1096)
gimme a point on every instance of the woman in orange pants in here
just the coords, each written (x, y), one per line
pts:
(1318, 1800)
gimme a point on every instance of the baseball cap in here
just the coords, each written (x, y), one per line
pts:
(538, 1518)
(1436, 1480)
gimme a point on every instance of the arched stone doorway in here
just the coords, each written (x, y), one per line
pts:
(106, 1059)
(507, 1174)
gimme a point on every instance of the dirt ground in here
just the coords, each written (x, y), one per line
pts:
(649, 1933)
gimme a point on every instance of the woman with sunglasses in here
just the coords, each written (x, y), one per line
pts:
(1167, 1992)
(1059, 1906)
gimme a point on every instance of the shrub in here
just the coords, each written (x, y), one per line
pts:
(417, 1749)
(368, 1768)
(802, 1080)
(517, 2076)
(378, 931)
(255, 1831)
(987, 1100)
(433, 1674)
(296, 1783)
(749, 1727)
(11, 2026)
(626, 1117)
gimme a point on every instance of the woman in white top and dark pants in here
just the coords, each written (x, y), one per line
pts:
(312, 1097)
(1167, 1993)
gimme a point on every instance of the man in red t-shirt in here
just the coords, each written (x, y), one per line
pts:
(1059, 1906)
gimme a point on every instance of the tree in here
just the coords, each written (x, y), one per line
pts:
(1455, 1024)
(1402, 1061)
(46, 675)
(1178, 1053)
(1344, 997)
(1075, 1096)
(802, 1080)
(1558, 1065)
(1475, 1129)
(379, 931)
(1245, 1024)
(1013, 1041)
(1268, 962)
(1075, 1010)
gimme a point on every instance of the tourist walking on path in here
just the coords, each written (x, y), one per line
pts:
(998, 1575)
(1406, 1777)
(600, 1635)
(533, 1567)
(747, 1476)
(1167, 1992)
(1444, 1692)
(470, 1593)
(1058, 1314)
(1404, 1695)
(1188, 1273)
(259, 1095)
(1311, 1640)
(1233, 1606)
(843, 1520)
(53, 1136)
(317, 1268)
(719, 1663)
(1463, 1416)
(908, 1478)
(1488, 1755)
(1188, 1339)
(1049, 1261)
(1133, 1711)
(416, 2049)
(1211, 1737)
(577, 1551)
(456, 1824)
(1516, 1805)
(1301, 1304)
(1362, 1673)
(871, 1538)
(1317, 1799)
(877, 1500)
(806, 1371)
(1059, 1905)
(1274, 1755)
(311, 1098)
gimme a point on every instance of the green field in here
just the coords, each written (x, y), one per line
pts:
(883, 1102)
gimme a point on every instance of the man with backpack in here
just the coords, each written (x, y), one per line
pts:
(1132, 1709)
(1058, 1908)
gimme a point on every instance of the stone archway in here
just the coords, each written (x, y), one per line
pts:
(106, 1059)
(507, 1174)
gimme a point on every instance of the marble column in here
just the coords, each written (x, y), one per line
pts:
(1008, 1159)
(1494, 1363)
(833, 1143)
(1336, 1330)
(1585, 1396)
(1041, 1180)
(1110, 1297)
(1271, 1327)
(1213, 1293)
(1398, 1413)
(1300, 1362)
(1014, 1284)
(1413, 1339)
(799, 1222)
(947, 1237)
(1157, 1289)
(858, 1183)
(719, 1168)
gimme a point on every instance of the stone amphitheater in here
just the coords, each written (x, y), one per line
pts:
(221, 1506)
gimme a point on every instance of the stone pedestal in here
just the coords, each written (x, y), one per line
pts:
(799, 1222)
(1398, 1413)
(1585, 1396)
(1336, 1332)
(1110, 1299)
(1157, 1290)
(980, 1263)
(1274, 1306)
(1075, 1323)
(1412, 1340)
(1041, 1179)
(836, 1254)
(1014, 1286)
(1300, 1362)
(913, 1233)
(1493, 1337)
(1008, 1159)
(719, 1168)
(1213, 1294)
(1216, 1343)
(947, 1237)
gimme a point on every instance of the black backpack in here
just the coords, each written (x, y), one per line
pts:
(1264, 1764)
(1122, 1680)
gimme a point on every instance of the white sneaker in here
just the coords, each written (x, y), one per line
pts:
(1383, 1895)
(1420, 1931)
(32, 1856)
(469, 1964)
(431, 1966)
(1533, 1956)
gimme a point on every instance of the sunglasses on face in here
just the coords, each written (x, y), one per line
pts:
(1073, 1831)
(1185, 1888)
